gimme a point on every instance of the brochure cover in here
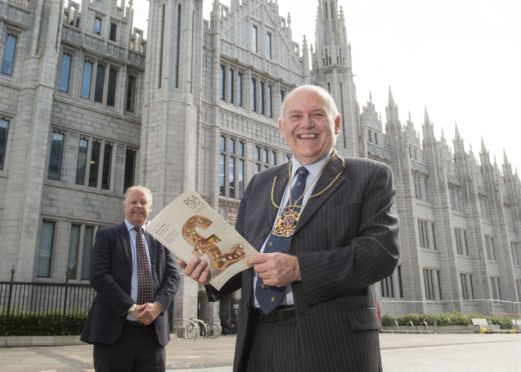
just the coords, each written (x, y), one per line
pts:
(188, 226)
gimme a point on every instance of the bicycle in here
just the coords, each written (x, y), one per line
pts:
(191, 330)
(203, 329)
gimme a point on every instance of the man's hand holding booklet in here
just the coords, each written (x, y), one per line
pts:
(188, 226)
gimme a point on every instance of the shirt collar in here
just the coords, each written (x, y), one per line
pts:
(130, 227)
(313, 169)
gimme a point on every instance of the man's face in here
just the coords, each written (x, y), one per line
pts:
(137, 208)
(308, 127)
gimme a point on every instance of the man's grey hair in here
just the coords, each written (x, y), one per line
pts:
(141, 188)
(331, 107)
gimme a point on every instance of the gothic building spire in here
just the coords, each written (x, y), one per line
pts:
(428, 128)
(333, 71)
(484, 155)
(390, 99)
(459, 147)
(456, 131)
(505, 158)
(342, 16)
(331, 35)
(426, 119)
(305, 58)
(392, 111)
(443, 140)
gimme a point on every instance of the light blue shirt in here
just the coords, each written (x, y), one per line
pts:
(314, 170)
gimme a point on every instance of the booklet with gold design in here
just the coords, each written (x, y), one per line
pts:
(188, 226)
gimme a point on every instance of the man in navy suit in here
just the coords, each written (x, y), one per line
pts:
(344, 238)
(130, 335)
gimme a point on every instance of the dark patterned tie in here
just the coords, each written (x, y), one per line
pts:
(144, 279)
(271, 297)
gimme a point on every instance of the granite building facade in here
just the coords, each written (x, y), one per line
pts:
(89, 107)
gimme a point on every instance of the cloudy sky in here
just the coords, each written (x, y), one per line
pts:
(461, 59)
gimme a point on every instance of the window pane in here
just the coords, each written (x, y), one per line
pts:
(45, 250)
(65, 72)
(240, 176)
(87, 77)
(9, 53)
(400, 285)
(231, 87)
(231, 146)
(263, 106)
(464, 292)
(81, 164)
(253, 94)
(222, 83)
(97, 26)
(55, 159)
(74, 245)
(111, 93)
(231, 176)
(130, 164)
(4, 129)
(239, 89)
(100, 80)
(87, 248)
(131, 93)
(107, 163)
(94, 164)
(222, 159)
(113, 31)
(270, 101)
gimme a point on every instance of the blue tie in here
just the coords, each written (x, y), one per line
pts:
(271, 297)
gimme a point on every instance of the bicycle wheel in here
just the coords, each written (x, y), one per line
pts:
(191, 331)
(203, 330)
(214, 330)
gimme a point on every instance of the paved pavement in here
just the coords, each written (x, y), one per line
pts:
(400, 353)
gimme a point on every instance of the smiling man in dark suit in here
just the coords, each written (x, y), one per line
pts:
(135, 279)
(327, 229)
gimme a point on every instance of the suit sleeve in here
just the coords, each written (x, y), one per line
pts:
(102, 278)
(331, 272)
(170, 283)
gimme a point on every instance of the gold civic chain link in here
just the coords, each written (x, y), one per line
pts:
(290, 179)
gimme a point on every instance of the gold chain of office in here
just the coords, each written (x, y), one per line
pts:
(277, 206)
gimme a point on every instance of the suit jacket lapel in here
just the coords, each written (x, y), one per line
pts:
(125, 241)
(278, 192)
(330, 172)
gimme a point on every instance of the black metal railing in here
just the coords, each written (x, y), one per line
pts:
(20, 301)
(18, 298)
(37, 299)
